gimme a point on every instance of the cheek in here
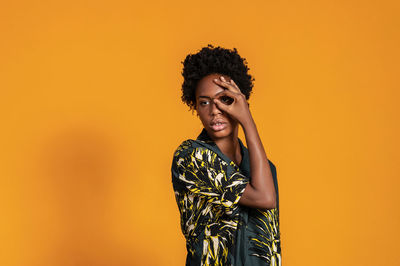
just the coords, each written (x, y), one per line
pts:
(201, 117)
(232, 123)
(202, 113)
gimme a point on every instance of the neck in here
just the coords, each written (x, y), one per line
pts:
(230, 146)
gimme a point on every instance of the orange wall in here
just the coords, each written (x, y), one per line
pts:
(91, 114)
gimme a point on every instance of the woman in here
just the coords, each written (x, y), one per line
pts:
(227, 194)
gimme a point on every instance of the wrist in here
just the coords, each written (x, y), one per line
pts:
(248, 123)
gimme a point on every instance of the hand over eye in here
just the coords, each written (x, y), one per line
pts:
(226, 100)
(232, 101)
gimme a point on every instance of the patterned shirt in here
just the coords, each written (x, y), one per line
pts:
(219, 231)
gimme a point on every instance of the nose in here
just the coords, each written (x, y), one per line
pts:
(214, 109)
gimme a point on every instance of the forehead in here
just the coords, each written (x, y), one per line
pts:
(207, 87)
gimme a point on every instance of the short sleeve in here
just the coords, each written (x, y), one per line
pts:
(202, 172)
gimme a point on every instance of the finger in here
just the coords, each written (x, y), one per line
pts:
(231, 82)
(220, 105)
(234, 84)
(226, 93)
(225, 84)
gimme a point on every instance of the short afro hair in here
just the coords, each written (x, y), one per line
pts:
(210, 60)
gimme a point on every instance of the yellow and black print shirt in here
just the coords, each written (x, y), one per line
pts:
(219, 231)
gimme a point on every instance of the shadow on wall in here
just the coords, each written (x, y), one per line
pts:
(81, 167)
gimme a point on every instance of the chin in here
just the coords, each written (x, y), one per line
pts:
(219, 134)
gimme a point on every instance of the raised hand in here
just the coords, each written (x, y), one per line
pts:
(232, 101)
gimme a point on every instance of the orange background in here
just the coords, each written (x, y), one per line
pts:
(91, 115)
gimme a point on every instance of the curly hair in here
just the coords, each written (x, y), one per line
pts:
(211, 60)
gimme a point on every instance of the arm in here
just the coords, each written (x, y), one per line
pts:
(260, 192)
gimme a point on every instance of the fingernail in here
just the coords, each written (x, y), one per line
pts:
(222, 78)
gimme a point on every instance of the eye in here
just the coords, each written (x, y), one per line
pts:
(226, 99)
(203, 102)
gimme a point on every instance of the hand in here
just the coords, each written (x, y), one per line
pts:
(237, 106)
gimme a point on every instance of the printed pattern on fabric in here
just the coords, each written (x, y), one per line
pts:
(219, 231)
(207, 198)
(264, 239)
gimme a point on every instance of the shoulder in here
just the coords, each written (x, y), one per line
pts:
(191, 147)
(272, 165)
(184, 148)
(191, 150)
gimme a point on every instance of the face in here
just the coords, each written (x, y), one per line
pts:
(217, 123)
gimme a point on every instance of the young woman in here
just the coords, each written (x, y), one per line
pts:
(227, 194)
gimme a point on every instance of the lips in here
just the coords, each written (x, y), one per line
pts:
(217, 121)
(218, 125)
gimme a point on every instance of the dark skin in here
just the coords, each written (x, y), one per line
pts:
(219, 99)
(226, 140)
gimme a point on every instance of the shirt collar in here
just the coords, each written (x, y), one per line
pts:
(205, 140)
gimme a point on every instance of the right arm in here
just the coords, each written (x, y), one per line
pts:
(260, 191)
